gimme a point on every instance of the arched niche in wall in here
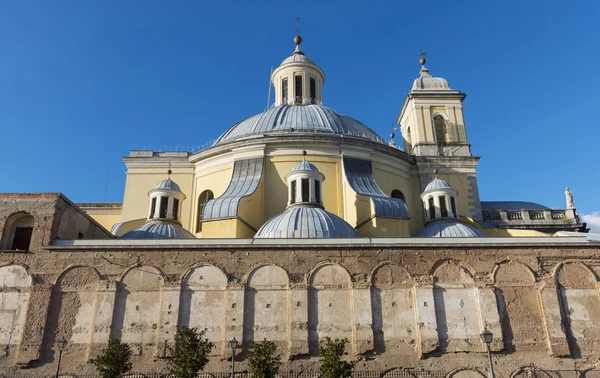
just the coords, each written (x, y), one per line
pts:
(15, 285)
(266, 306)
(530, 372)
(466, 373)
(456, 308)
(17, 233)
(580, 308)
(518, 303)
(329, 305)
(71, 312)
(202, 302)
(392, 309)
(137, 306)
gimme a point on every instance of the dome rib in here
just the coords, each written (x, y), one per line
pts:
(315, 119)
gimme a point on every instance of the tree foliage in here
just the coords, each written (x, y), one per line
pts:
(331, 352)
(190, 353)
(263, 362)
(115, 359)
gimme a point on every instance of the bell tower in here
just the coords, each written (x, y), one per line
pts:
(433, 129)
(431, 118)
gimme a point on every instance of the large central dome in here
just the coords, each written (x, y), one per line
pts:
(306, 119)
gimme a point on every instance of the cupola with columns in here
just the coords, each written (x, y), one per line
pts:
(439, 201)
(305, 184)
(165, 201)
(298, 80)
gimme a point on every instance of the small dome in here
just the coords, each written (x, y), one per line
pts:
(159, 230)
(168, 184)
(306, 222)
(430, 83)
(304, 166)
(306, 119)
(297, 58)
(448, 229)
(437, 184)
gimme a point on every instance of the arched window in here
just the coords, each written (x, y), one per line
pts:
(398, 194)
(17, 232)
(439, 124)
(205, 196)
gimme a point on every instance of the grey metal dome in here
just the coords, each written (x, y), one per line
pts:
(448, 229)
(297, 58)
(168, 184)
(306, 222)
(304, 166)
(159, 230)
(437, 184)
(311, 119)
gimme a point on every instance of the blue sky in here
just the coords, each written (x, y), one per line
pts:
(83, 82)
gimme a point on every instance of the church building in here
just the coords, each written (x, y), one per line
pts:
(300, 223)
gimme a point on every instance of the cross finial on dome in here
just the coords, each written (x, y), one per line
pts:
(304, 155)
(169, 171)
(297, 41)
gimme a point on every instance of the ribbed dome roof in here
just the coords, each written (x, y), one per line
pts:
(311, 119)
(168, 184)
(306, 222)
(159, 230)
(297, 58)
(448, 229)
(304, 166)
(430, 83)
(437, 184)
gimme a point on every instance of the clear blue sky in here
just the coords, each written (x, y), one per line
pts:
(83, 82)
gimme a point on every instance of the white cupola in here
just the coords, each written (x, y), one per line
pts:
(298, 80)
(439, 201)
(165, 201)
(305, 185)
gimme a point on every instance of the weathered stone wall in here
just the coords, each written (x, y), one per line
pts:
(398, 307)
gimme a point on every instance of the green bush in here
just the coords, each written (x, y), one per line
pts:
(263, 362)
(330, 356)
(115, 359)
(190, 353)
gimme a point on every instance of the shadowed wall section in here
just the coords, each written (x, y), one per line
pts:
(15, 284)
(329, 305)
(202, 301)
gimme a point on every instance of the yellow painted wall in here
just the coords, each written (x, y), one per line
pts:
(106, 219)
(380, 227)
(141, 180)
(215, 179)
(226, 228)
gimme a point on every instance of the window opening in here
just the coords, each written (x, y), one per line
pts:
(318, 191)
(313, 91)
(152, 208)
(175, 208)
(305, 190)
(443, 206)
(298, 89)
(293, 199)
(205, 196)
(284, 91)
(164, 202)
(398, 194)
(22, 238)
(431, 209)
(440, 129)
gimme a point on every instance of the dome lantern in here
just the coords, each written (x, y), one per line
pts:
(305, 185)
(165, 201)
(439, 201)
(298, 80)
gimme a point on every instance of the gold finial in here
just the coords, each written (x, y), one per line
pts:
(422, 54)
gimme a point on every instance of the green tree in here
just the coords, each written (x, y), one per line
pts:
(115, 359)
(331, 352)
(263, 362)
(190, 353)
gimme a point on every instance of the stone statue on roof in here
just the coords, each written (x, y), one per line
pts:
(569, 199)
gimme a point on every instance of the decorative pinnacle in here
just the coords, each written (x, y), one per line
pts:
(169, 173)
(422, 54)
(304, 155)
(435, 173)
(297, 41)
